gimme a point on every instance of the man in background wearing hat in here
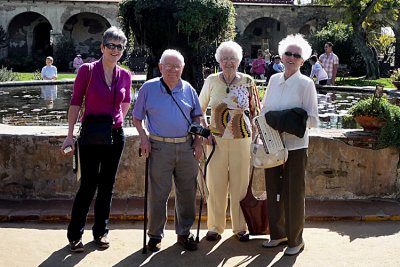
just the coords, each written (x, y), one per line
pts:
(78, 61)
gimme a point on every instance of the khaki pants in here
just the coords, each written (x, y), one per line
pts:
(228, 171)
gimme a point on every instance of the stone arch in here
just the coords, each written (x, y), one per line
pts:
(86, 30)
(29, 34)
(262, 33)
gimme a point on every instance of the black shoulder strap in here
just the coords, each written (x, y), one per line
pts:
(170, 93)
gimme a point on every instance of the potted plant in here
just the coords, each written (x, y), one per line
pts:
(396, 78)
(376, 114)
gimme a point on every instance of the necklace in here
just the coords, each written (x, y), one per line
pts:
(228, 85)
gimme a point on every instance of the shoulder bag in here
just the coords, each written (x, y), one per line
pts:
(255, 210)
(96, 129)
(270, 151)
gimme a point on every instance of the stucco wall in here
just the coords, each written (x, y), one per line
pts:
(32, 167)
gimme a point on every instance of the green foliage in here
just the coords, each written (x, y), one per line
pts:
(8, 75)
(64, 53)
(351, 81)
(340, 34)
(184, 25)
(37, 75)
(389, 135)
(395, 75)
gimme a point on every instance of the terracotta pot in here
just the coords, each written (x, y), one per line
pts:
(397, 84)
(370, 123)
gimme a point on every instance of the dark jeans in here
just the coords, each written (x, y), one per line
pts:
(99, 164)
(323, 82)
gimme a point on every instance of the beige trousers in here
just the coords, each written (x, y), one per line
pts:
(228, 171)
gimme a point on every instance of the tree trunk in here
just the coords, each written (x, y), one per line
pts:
(397, 49)
(368, 53)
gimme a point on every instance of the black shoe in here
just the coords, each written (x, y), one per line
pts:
(212, 236)
(154, 244)
(76, 246)
(243, 236)
(187, 241)
(102, 241)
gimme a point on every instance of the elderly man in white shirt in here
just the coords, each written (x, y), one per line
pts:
(288, 90)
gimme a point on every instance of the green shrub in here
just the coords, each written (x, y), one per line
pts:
(8, 75)
(389, 135)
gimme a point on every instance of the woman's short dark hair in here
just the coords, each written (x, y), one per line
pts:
(114, 33)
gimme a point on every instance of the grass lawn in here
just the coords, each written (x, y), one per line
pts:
(352, 81)
(28, 76)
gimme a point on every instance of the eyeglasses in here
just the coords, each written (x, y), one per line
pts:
(289, 54)
(230, 59)
(171, 66)
(112, 46)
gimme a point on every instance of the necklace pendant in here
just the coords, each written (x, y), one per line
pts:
(227, 90)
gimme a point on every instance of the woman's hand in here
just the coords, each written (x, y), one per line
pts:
(69, 141)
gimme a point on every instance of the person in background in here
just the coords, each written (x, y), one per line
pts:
(267, 58)
(285, 184)
(106, 88)
(330, 62)
(258, 66)
(77, 63)
(49, 92)
(278, 66)
(49, 72)
(234, 101)
(206, 72)
(321, 77)
(170, 105)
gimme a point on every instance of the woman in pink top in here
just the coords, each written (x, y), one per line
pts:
(258, 66)
(106, 88)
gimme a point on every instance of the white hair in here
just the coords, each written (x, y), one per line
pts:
(229, 46)
(172, 53)
(298, 41)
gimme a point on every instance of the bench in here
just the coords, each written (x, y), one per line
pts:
(343, 71)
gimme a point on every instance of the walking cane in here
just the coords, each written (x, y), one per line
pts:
(201, 195)
(146, 185)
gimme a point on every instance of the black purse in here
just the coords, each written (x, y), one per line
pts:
(96, 130)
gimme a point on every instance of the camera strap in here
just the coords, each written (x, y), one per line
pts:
(170, 93)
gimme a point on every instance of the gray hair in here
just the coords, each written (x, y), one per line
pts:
(114, 33)
(229, 46)
(172, 53)
(295, 40)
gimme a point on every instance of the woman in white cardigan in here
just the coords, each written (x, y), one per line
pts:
(288, 90)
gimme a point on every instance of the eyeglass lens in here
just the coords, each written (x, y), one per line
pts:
(289, 54)
(112, 46)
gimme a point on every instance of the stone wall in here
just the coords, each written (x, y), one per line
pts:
(32, 167)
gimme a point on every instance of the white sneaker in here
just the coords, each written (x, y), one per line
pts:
(274, 243)
(294, 250)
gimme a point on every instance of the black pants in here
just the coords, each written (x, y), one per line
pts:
(99, 164)
(286, 216)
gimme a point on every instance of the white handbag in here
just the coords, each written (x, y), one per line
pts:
(268, 152)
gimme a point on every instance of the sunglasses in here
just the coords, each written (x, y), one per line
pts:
(289, 54)
(112, 46)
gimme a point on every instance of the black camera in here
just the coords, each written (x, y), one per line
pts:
(197, 129)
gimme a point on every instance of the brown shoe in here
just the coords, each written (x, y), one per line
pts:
(212, 236)
(187, 241)
(154, 244)
(102, 241)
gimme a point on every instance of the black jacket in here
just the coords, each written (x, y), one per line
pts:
(293, 121)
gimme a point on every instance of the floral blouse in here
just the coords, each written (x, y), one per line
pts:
(231, 112)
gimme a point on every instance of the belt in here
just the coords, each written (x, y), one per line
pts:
(175, 140)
